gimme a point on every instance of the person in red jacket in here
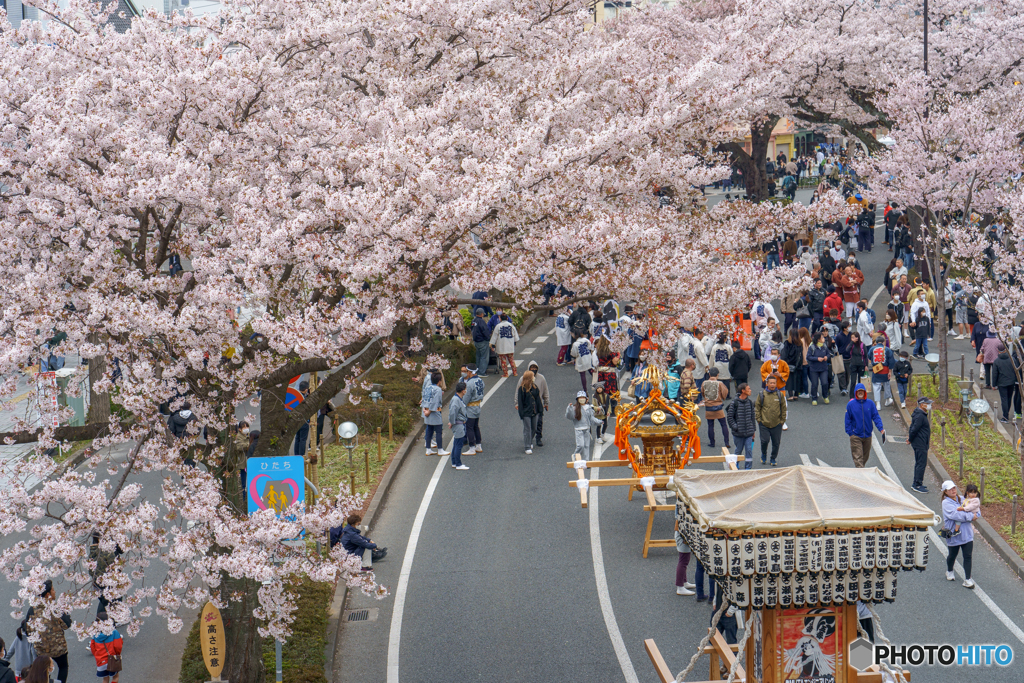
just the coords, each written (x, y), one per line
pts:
(833, 302)
(103, 647)
(849, 282)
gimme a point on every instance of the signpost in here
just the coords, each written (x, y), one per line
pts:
(292, 398)
(274, 483)
(212, 641)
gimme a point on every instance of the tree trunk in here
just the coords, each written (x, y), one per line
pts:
(99, 404)
(275, 437)
(753, 164)
(244, 646)
(938, 282)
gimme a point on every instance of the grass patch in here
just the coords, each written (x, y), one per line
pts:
(1016, 540)
(64, 454)
(302, 656)
(334, 468)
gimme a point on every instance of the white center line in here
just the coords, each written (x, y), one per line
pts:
(618, 644)
(871, 304)
(941, 547)
(394, 638)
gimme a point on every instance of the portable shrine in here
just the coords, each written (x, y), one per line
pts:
(654, 437)
(796, 548)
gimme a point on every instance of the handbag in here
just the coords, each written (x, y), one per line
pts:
(113, 660)
(838, 366)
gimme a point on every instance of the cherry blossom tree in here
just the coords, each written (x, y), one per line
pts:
(343, 169)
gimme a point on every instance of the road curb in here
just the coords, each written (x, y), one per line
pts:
(987, 531)
(341, 590)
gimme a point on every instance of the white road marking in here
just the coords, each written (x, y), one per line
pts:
(941, 547)
(618, 644)
(394, 638)
(540, 340)
(822, 463)
(528, 351)
(805, 460)
(871, 303)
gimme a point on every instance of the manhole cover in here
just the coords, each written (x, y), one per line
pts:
(352, 615)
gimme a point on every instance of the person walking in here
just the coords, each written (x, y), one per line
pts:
(739, 364)
(474, 398)
(503, 341)
(990, 350)
(106, 650)
(563, 336)
(457, 423)
(818, 365)
(958, 531)
(1005, 379)
(582, 416)
(52, 642)
(713, 394)
(882, 363)
(530, 406)
(431, 405)
(542, 386)
(481, 341)
(583, 355)
(860, 415)
(720, 355)
(919, 436)
(40, 670)
(24, 652)
(6, 672)
(770, 412)
(683, 587)
(793, 357)
(739, 415)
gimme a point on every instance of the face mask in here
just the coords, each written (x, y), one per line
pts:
(245, 430)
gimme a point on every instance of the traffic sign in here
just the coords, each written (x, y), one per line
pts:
(274, 483)
(212, 640)
(292, 398)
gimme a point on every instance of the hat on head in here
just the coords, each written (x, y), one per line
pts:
(533, 364)
(581, 394)
(947, 485)
(858, 197)
(924, 400)
(479, 311)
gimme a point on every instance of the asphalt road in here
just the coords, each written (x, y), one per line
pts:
(504, 583)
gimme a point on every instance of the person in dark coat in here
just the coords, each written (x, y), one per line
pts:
(1005, 380)
(354, 542)
(178, 422)
(739, 415)
(919, 436)
(6, 674)
(739, 364)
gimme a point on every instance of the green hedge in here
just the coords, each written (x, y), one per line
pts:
(302, 655)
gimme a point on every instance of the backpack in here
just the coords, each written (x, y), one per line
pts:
(710, 391)
(871, 315)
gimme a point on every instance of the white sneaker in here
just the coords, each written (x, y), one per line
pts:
(969, 583)
(950, 576)
(462, 467)
(683, 590)
(903, 404)
(529, 451)
(479, 448)
(431, 451)
(686, 584)
(959, 336)
(951, 333)
(785, 426)
(805, 395)
(442, 452)
(888, 402)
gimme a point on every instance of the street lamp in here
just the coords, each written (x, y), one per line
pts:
(349, 433)
(933, 363)
(979, 408)
(375, 392)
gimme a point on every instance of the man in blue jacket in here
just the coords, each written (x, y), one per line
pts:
(481, 341)
(860, 413)
(354, 542)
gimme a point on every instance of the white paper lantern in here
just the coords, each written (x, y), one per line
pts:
(868, 557)
(883, 545)
(803, 552)
(788, 552)
(890, 585)
(813, 589)
(909, 548)
(842, 551)
(867, 585)
(761, 554)
(757, 591)
(735, 558)
(801, 582)
(771, 590)
(740, 589)
(825, 588)
(921, 551)
(774, 553)
(815, 555)
(839, 588)
(896, 548)
(856, 550)
(717, 555)
(852, 586)
(828, 552)
(749, 560)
